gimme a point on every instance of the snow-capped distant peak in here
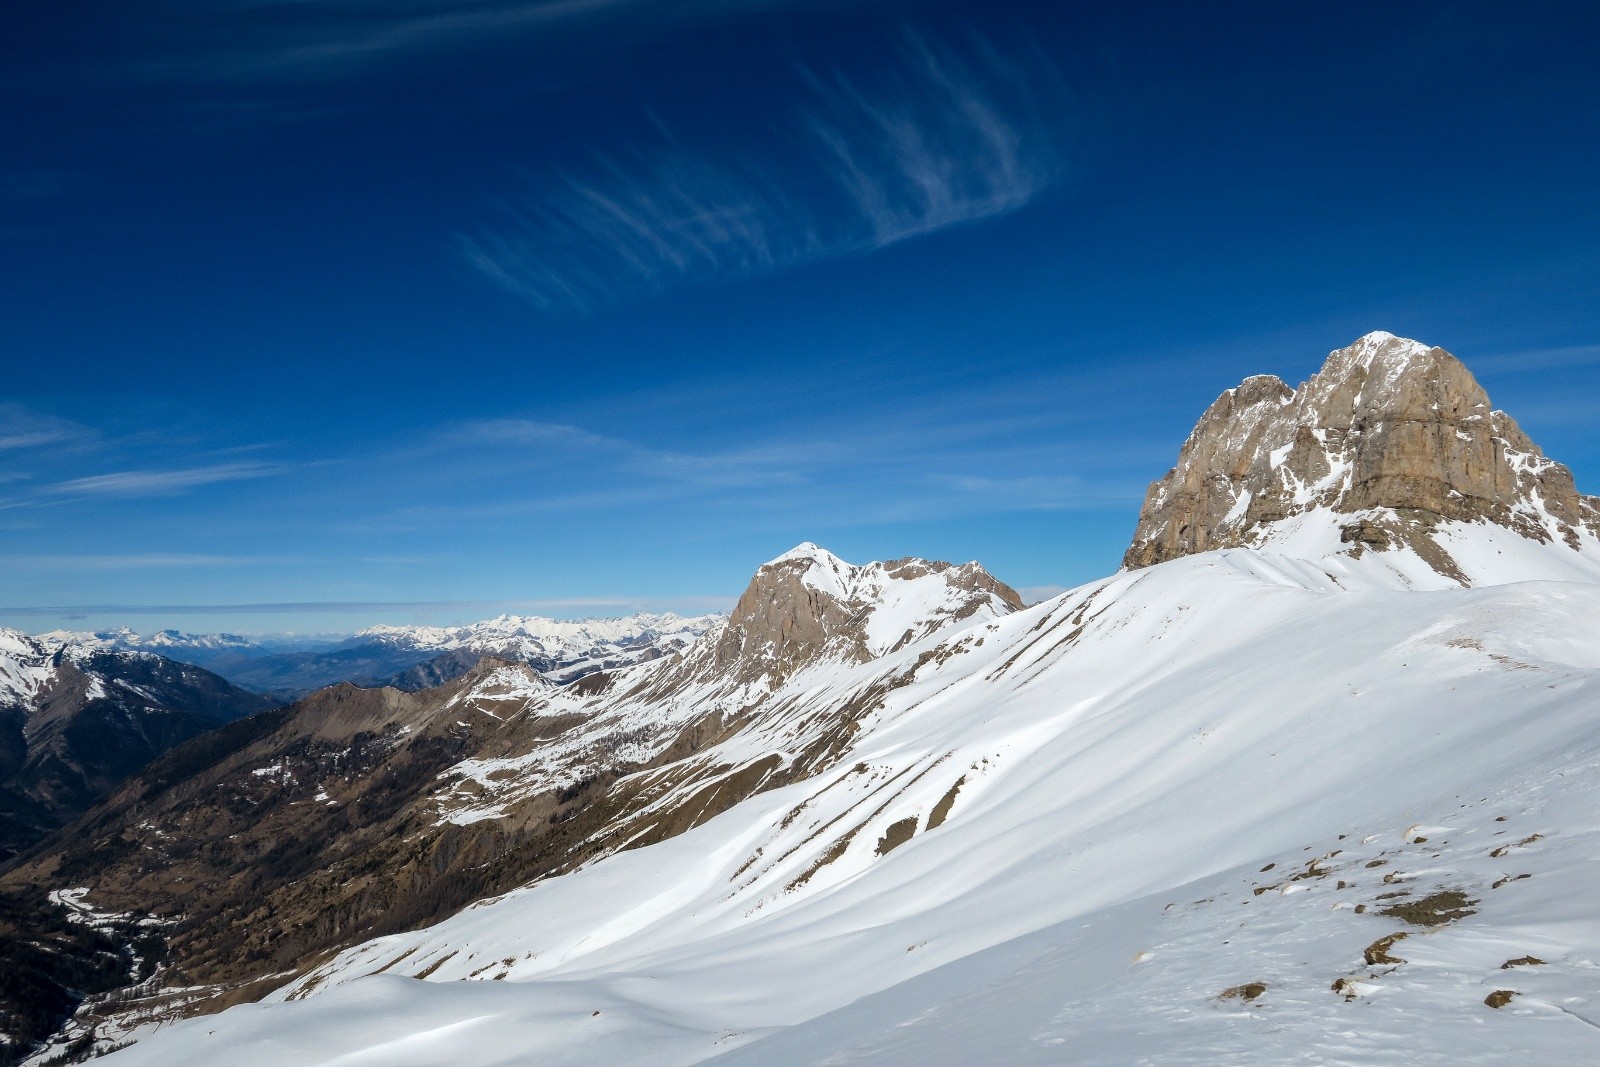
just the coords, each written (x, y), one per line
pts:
(122, 638)
(549, 643)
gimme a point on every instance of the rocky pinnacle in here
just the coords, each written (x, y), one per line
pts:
(1394, 434)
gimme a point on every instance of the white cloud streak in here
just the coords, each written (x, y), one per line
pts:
(1536, 359)
(949, 138)
(592, 606)
(23, 429)
(138, 483)
(141, 561)
(330, 39)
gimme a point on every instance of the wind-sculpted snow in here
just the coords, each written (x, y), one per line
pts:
(1047, 837)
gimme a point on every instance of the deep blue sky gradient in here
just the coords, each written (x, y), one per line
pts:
(577, 306)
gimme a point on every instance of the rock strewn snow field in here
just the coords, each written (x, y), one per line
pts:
(1151, 739)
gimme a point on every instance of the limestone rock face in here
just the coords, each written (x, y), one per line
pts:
(808, 604)
(1395, 434)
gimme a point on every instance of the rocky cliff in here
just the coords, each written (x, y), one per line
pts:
(808, 603)
(1391, 442)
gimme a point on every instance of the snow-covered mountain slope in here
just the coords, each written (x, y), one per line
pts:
(75, 720)
(1391, 450)
(368, 811)
(1143, 982)
(1005, 823)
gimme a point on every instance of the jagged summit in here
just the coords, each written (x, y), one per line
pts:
(809, 603)
(1392, 446)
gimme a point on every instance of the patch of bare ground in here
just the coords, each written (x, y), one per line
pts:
(941, 810)
(899, 833)
(1503, 849)
(1247, 992)
(1377, 953)
(1436, 909)
(1345, 987)
(434, 966)
(834, 852)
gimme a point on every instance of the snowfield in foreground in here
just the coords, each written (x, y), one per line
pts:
(1068, 835)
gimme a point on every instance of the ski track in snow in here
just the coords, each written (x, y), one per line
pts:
(1152, 739)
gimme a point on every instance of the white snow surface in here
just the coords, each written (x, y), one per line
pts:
(25, 667)
(1124, 760)
(1486, 554)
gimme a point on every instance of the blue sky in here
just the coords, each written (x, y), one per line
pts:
(321, 313)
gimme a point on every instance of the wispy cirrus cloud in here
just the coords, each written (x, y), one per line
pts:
(142, 560)
(596, 605)
(948, 137)
(758, 465)
(135, 483)
(22, 429)
(1536, 359)
(252, 41)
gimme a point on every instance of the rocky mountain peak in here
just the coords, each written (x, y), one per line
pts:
(809, 603)
(1389, 440)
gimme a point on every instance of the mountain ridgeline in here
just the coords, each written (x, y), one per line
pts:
(412, 657)
(775, 759)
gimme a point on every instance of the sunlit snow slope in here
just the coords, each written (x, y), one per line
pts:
(1050, 844)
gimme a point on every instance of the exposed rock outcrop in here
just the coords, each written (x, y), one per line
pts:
(808, 603)
(1392, 436)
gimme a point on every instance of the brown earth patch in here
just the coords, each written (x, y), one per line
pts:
(1377, 953)
(1436, 909)
(834, 852)
(1247, 992)
(941, 810)
(899, 833)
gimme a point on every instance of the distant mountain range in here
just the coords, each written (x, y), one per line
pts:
(411, 657)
